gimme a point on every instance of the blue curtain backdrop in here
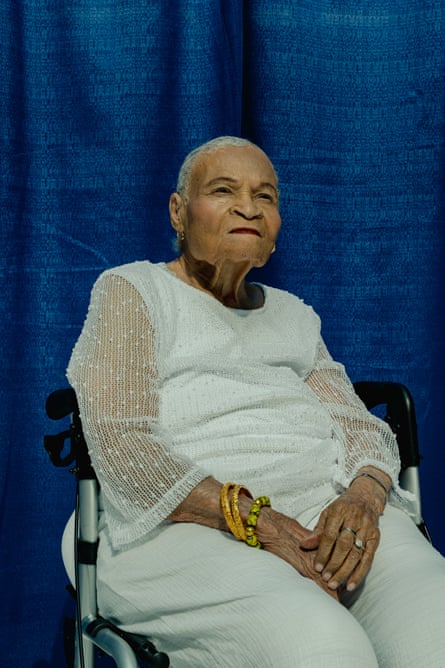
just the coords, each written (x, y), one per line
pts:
(100, 100)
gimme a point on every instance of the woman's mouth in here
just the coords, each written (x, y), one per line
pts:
(245, 230)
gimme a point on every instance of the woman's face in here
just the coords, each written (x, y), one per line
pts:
(231, 212)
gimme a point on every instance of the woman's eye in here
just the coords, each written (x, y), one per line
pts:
(266, 196)
(222, 189)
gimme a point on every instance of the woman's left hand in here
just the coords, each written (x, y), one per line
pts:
(347, 535)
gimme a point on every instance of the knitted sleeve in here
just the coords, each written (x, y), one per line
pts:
(113, 370)
(366, 440)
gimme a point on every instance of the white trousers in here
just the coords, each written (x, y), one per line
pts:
(208, 600)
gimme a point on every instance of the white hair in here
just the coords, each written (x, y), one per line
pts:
(190, 160)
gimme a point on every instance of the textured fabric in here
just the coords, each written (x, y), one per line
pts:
(253, 609)
(404, 626)
(163, 408)
(99, 102)
(250, 610)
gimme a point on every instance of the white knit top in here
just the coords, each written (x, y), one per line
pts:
(173, 387)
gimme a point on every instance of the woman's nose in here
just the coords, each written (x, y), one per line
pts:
(247, 206)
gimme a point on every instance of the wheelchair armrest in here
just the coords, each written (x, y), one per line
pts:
(61, 403)
(400, 415)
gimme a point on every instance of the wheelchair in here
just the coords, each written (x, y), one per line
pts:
(95, 634)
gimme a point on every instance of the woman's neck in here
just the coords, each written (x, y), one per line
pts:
(226, 283)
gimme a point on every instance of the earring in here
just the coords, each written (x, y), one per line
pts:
(273, 249)
(180, 236)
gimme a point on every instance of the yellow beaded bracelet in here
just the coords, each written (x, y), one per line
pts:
(252, 519)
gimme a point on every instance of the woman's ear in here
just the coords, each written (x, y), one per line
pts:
(176, 209)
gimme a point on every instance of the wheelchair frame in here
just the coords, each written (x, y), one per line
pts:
(128, 649)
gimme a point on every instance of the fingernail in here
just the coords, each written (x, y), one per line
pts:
(333, 584)
(318, 568)
(351, 586)
(327, 576)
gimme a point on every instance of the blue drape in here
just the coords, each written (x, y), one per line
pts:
(100, 100)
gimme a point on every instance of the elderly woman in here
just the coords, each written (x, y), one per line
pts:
(218, 422)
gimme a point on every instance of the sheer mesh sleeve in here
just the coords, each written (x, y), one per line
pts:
(114, 373)
(366, 439)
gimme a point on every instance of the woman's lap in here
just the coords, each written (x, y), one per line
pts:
(208, 600)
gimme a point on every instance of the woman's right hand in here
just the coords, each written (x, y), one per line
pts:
(278, 533)
(282, 535)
